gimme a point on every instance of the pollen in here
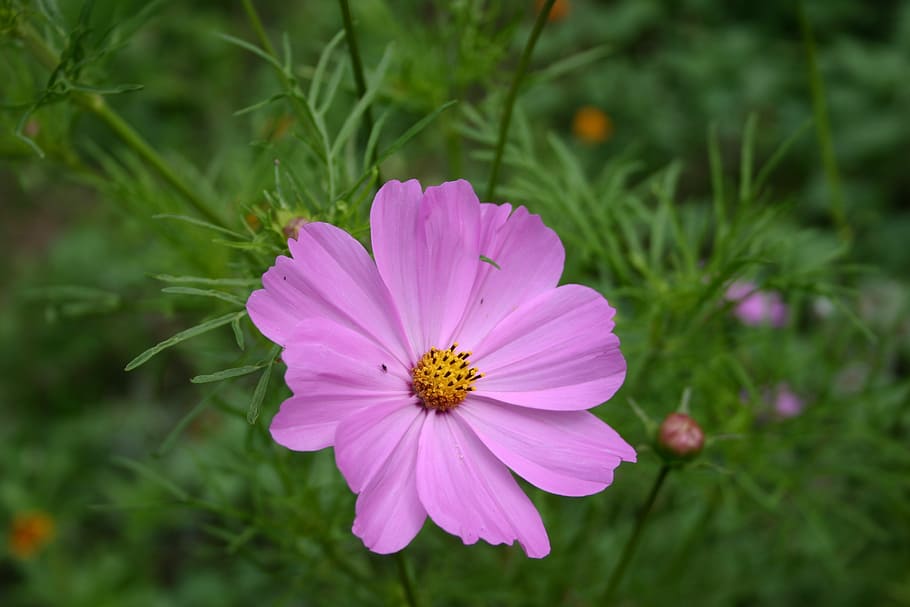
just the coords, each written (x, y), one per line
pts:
(443, 378)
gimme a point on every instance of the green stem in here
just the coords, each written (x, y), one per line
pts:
(357, 66)
(629, 550)
(404, 576)
(98, 106)
(302, 107)
(513, 93)
(256, 22)
(823, 128)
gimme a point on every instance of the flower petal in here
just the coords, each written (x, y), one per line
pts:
(389, 511)
(563, 452)
(427, 251)
(334, 372)
(471, 494)
(363, 442)
(529, 260)
(556, 351)
(331, 276)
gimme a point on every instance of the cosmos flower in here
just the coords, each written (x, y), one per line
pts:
(29, 532)
(757, 308)
(451, 359)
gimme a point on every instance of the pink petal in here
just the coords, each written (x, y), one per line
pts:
(363, 442)
(426, 248)
(530, 257)
(334, 372)
(564, 452)
(470, 493)
(556, 351)
(331, 276)
(389, 511)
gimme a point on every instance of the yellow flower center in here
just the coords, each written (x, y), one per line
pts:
(443, 378)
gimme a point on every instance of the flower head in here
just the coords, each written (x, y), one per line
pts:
(756, 308)
(29, 532)
(432, 372)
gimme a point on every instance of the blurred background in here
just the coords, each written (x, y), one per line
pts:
(677, 148)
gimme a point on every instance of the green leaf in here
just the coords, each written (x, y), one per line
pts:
(353, 119)
(238, 332)
(205, 293)
(260, 104)
(486, 259)
(200, 280)
(253, 49)
(184, 335)
(564, 66)
(318, 75)
(259, 393)
(200, 223)
(153, 476)
(779, 154)
(748, 151)
(228, 373)
(185, 421)
(414, 130)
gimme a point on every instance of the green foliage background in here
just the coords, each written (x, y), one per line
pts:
(152, 155)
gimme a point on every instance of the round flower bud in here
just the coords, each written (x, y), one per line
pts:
(680, 437)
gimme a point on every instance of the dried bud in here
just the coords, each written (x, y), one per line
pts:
(292, 228)
(680, 437)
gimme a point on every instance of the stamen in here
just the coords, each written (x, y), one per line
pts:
(442, 379)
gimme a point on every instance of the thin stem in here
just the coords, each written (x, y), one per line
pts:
(256, 22)
(98, 106)
(629, 550)
(404, 576)
(357, 66)
(513, 93)
(823, 128)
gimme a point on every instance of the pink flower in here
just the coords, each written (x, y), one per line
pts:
(432, 371)
(786, 403)
(756, 307)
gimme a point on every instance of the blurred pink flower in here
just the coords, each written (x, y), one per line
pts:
(432, 371)
(756, 308)
(786, 403)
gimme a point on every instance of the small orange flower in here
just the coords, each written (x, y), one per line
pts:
(592, 125)
(29, 532)
(558, 12)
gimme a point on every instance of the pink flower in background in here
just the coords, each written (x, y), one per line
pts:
(786, 403)
(756, 308)
(432, 371)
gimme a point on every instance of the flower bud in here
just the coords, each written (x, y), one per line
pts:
(29, 533)
(591, 125)
(292, 228)
(680, 437)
